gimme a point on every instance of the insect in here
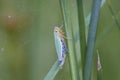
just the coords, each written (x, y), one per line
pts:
(60, 45)
(99, 66)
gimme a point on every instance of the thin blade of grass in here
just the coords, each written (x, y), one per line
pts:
(91, 38)
(87, 19)
(103, 35)
(82, 31)
(53, 71)
(106, 31)
(70, 15)
(113, 14)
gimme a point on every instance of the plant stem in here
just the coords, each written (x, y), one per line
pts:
(53, 71)
(82, 31)
(113, 14)
(69, 9)
(91, 38)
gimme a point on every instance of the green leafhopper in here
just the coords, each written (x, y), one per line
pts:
(60, 45)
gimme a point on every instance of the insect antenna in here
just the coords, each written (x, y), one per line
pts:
(62, 25)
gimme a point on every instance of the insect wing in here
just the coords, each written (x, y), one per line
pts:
(58, 45)
(64, 49)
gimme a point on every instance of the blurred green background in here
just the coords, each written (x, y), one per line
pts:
(27, 50)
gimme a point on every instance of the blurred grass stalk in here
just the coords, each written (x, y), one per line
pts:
(82, 31)
(112, 13)
(53, 71)
(87, 19)
(91, 38)
(70, 15)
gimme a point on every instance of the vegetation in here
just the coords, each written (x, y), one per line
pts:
(27, 49)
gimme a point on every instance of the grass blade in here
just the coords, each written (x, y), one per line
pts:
(82, 30)
(70, 14)
(91, 38)
(87, 19)
(113, 14)
(105, 32)
(53, 71)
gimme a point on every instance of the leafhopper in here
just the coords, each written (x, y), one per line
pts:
(60, 45)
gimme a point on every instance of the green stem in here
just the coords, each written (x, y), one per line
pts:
(53, 71)
(82, 30)
(69, 9)
(113, 14)
(91, 38)
(99, 75)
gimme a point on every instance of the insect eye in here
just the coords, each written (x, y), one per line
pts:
(56, 30)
